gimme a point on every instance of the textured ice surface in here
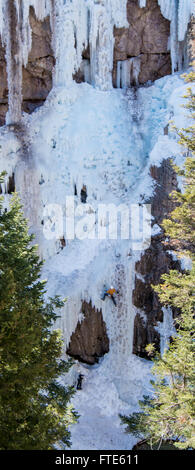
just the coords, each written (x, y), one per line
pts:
(76, 25)
(106, 141)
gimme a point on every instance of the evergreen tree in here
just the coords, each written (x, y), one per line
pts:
(170, 412)
(34, 408)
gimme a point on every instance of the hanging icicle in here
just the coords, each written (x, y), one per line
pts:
(87, 23)
(16, 36)
(70, 39)
(142, 3)
(76, 25)
(178, 12)
(128, 72)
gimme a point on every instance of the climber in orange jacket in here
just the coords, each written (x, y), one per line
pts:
(110, 293)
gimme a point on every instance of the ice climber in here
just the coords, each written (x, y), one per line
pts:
(79, 381)
(110, 293)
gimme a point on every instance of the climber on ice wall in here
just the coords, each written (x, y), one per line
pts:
(110, 293)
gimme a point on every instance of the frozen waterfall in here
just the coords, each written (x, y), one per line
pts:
(106, 142)
(76, 25)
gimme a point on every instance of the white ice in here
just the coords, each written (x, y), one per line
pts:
(107, 141)
(104, 139)
(77, 24)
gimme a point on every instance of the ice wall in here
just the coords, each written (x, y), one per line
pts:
(76, 25)
(82, 24)
(178, 12)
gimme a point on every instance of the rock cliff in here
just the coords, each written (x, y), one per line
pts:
(37, 76)
(155, 261)
(146, 38)
(89, 342)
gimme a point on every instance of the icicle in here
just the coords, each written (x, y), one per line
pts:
(142, 3)
(166, 329)
(104, 15)
(118, 9)
(124, 74)
(134, 70)
(42, 8)
(101, 47)
(79, 24)
(14, 60)
(174, 38)
(1, 16)
(70, 39)
(119, 72)
(85, 68)
(128, 72)
(83, 23)
(178, 12)
(186, 9)
(167, 7)
(16, 35)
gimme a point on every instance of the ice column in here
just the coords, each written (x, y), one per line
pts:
(16, 35)
(70, 39)
(1, 16)
(166, 329)
(128, 72)
(186, 9)
(12, 33)
(178, 12)
(101, 47)
(142, 3)
(77, 24)
(87, 22)
(104, 15)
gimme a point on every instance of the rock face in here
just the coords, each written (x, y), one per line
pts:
(146, 38)
(37, 76)
(155, 261)
(89, 342)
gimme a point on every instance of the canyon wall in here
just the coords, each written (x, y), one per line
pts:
(37, 75)
(155, 261)
(145, 38)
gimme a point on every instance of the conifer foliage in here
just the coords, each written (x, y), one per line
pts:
(169, 413)
(34, 408)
